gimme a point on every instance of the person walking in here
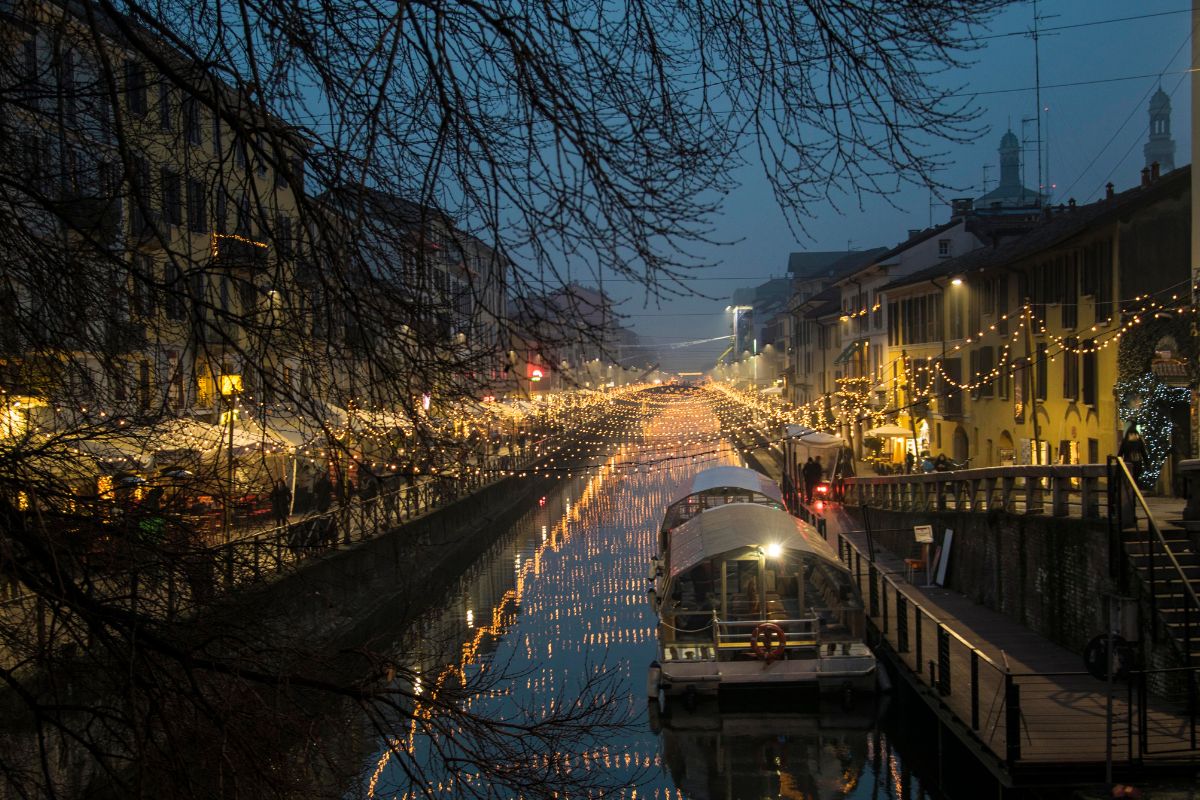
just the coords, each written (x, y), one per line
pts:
(281, 503)
(1133, 452)
(323, 493)
(811, 474)
(844, 469)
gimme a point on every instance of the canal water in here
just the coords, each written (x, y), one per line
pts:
(561, 599)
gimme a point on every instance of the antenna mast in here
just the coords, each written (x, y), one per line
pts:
(1037, 81)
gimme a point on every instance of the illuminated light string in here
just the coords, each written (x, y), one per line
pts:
(1146, 401)
(814, 408)
(1028, 308)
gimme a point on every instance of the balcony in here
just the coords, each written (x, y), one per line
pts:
(144, 230)
(234, 252)
(222, 331)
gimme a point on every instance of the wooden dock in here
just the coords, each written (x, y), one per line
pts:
(1024, 704)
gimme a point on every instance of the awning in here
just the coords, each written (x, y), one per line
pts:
(851, 348)
(740, 525)
(813, 438)
(890, 430)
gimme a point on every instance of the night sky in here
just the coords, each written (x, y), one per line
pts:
(1100, 61)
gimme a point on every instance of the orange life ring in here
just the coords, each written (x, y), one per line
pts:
(760, 641)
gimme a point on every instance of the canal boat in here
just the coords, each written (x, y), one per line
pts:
(717, 486)
(749, 596)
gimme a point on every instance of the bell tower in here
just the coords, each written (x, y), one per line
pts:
(1160, 147)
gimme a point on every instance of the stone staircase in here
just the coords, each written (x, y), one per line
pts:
(1170, 586)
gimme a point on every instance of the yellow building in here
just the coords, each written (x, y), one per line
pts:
(1013, 351)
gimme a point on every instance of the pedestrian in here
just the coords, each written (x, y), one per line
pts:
(281, 503)
(323, 493)
(811, 474)
(1133, 452)
(910, 461)
(845, 469)
(941, 463)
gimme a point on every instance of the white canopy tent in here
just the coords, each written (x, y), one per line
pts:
(801, 443)
(891, 430)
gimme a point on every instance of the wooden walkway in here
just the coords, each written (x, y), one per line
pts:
(1021, 701)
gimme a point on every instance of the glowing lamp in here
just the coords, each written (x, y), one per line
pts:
(231, 385)
(956, 281)
(535, 375)
(773, 550)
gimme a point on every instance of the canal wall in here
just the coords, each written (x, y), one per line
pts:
(347, 595)
(1049, 574)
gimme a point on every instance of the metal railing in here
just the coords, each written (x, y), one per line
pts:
(798, 633)
(1024, 717)
(1069, 490)
(163, 582)
(1173, 600)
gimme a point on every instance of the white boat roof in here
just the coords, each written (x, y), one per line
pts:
(730, 478)
(738, 525)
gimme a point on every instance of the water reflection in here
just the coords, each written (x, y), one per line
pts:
(562, 596)
(752, 754)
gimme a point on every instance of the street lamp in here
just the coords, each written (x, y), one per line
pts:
(737, 352)
(231, 387)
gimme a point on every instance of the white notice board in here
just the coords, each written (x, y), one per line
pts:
(923, 534)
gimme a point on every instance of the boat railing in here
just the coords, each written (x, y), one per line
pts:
(732, 635)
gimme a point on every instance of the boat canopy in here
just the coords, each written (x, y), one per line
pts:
(741, 525)
(727, 477)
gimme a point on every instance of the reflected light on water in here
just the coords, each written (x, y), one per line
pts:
(576, 592)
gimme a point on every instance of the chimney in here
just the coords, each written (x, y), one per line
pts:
(961, 206)
(1145, 176)
(1108, 190)
(913, 232)
(1154, 171)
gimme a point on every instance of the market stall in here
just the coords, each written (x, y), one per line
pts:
(895, 443)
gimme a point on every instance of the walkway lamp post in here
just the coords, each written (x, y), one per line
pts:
(231, 387)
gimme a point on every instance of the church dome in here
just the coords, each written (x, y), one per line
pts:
(1161, 101)
(1009, 140)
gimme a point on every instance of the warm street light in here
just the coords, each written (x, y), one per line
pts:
(231, 387)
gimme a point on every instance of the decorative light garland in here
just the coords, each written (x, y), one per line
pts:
(1146, 402)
